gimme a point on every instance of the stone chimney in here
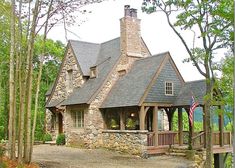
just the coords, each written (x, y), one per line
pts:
(130, 33)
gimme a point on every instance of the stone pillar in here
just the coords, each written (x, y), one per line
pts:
(180, 126)
(155, 125)
(218, 160)
(221, 126)
(122, 120)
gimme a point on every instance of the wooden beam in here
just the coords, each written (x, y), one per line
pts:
(155, 125)
(180, 126)
(122, 120)
(157, 104)
(142, 118)
(221, 126)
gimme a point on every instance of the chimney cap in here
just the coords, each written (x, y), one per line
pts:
(130, 12)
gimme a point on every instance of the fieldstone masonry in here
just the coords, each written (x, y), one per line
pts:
(129, 141)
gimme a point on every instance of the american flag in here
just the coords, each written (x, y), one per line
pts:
(191, 110)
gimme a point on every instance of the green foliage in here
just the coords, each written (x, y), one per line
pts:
(113, 124)
(60, 140)
(2, 150)
(130, 123)
(3, 164)
(185, 121)
(47, 137)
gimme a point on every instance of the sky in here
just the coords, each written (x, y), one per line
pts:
(103, 24)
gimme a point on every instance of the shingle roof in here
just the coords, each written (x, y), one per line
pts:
(86, 54)
(195, 88)
(108, 56)
(130, 88)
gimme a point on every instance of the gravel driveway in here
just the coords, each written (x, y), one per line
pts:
(52, 156)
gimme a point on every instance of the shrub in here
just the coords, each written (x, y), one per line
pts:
(47, 137)
(60, 140)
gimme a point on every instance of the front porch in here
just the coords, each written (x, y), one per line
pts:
(135, 121)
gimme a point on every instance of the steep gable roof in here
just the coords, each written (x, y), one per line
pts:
(86, 54)
(108, 56)
(129, 89)
(195, 88)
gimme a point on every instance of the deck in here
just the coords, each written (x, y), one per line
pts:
(168, 139)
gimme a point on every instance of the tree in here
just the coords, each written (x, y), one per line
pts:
(30, 18)
(209, 23)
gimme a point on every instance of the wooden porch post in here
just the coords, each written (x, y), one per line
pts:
(204, 126)
(180, 125)
(155, 125)
(221, 126)
(141, 118)
(122, 120)
(105, 119)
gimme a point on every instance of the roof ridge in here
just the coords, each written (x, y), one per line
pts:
(199, 80)
(84, 42)
(153, 56)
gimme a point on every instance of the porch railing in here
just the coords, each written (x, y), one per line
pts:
(164, 138)
(171, 138)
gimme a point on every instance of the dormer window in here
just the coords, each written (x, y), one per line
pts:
(169, 88)
(70, 79)
(93, 72)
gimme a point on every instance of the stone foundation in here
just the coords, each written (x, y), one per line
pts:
(129, 141)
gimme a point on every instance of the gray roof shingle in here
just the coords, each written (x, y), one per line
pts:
(86, 54)
(130, 88)
(108, 56)
(195, 88)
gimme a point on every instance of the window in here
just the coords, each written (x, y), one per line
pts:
(70, 79)
(169, 88)
(93, 72)
(78, 119)
(121, 72)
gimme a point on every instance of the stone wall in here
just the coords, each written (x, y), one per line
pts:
(62, 89)
(129, 141)
(70, 63)
(75, 136)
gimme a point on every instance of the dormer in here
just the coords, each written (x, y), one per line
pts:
(93, 72)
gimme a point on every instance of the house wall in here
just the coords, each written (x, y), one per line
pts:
(75, 136)
(129, 141)
(157, 92)
(61, 90)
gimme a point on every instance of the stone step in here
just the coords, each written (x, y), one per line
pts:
(177, 154)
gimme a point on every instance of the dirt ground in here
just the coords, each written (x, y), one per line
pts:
(52, 156)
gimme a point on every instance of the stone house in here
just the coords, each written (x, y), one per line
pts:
(111, 94)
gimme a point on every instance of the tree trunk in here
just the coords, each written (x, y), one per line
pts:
(21, 84)
(11, 86)
(28, 139)
(208, 133)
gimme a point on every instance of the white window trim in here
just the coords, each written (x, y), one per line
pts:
(172, 88)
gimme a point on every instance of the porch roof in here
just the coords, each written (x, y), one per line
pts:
(130, 88)
(195, 88)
